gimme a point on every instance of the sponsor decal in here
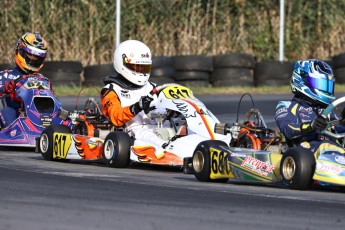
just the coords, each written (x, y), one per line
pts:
(281, 115)
(257, 166)
(340, 159)
(13, 133)
(46, 120)
(305, 110)
(281, 110)
(305, 145)
(145, 55)
(94, 142)
(332, 169)
(125, 94)
(305, 116)
(237, 155)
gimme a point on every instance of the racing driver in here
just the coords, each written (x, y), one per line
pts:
(300, 119)
(30, 53)
(125, 97)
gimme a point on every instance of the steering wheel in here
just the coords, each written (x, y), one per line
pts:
(328, 111)
(257, 115)
(92, 107)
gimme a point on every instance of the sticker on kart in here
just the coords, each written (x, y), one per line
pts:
(35, 84)
(61, 144)
(177, 92)
(220, 165)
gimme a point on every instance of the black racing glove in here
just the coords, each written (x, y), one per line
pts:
(319, 123)
(142, 104)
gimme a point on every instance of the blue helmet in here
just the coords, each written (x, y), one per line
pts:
(315, 80)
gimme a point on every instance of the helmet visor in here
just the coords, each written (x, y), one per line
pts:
(139, 68)
(31, 59)
(323, 84)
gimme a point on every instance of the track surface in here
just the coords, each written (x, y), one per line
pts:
(36, 194)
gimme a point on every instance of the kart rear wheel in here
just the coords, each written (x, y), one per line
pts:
(116, 149)
(297, 168)
(45, 143)
(202, 163)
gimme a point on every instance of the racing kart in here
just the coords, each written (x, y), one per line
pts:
(39, 109)
(295, 167)
(184, 123)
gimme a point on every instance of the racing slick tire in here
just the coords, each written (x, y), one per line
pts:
(201, 161)
(297, 168)
(116, 149)
(46, 142)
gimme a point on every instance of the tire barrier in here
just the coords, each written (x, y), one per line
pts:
(240, 60)
(161, 80)
(62, 66)
(193, 62)
(225, 70)
(93, 75)
(192, 70)
(223, 77)
(234, 69)
(162, 70)
(272, 73)
(62, 78)
(338, 62)
(63, 73)
(339, 75)
(5, 66)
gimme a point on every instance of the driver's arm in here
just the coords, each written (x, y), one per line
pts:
(287, 119)
(111, 107)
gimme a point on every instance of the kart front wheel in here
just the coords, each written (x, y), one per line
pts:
(297, 168)
(202, 163)
(45, 142)
(116, 149)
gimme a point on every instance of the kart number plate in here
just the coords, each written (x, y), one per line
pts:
(35, 84)
(62, 143)
(46, 120)
(219, 164)
(177, 92)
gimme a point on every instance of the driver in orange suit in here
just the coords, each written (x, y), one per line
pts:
(126, 98)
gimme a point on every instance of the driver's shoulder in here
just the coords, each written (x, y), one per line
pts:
(282, 104)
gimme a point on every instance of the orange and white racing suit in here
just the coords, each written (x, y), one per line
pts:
(116, 104)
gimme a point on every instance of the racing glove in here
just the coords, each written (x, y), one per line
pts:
(142, 104)
(319, 123)
(9, 87)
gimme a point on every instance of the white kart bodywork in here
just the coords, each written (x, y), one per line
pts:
(191, 111)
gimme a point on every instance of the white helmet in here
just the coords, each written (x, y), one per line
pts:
(132, 59)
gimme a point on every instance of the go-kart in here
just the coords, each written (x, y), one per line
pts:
(253, 132)
(295, 167)
(40, 108)
(184, 123)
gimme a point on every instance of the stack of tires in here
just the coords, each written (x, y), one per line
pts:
(7, 66)
(272, 73)
(63, 73)
(192, 70)
(93, 75)
(338, 65)
(162, 70)
(234, 69)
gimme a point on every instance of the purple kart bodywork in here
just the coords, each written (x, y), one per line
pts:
(40, 108)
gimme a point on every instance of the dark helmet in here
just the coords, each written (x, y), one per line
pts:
(30, 52)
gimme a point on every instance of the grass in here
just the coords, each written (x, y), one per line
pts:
(95, 90)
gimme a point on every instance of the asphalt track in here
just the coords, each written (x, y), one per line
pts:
(36, 194)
